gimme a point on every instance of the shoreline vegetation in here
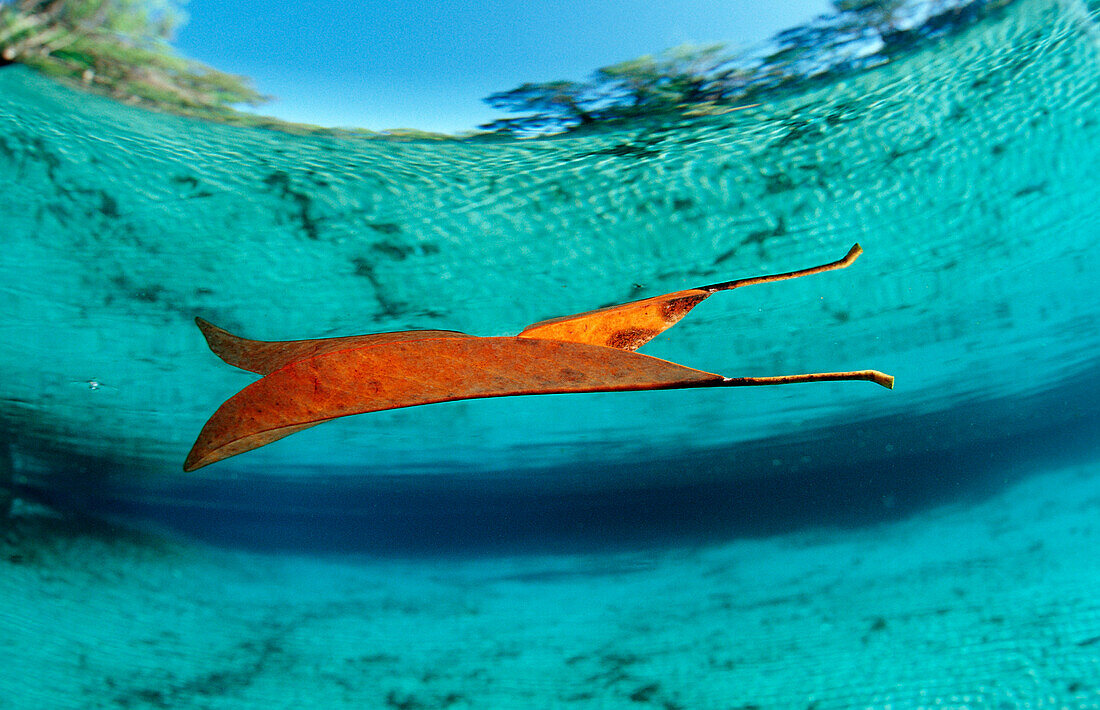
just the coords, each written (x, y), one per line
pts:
(122, 49)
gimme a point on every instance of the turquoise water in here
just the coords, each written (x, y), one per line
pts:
(824, 545)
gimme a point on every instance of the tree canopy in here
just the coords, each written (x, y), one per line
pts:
(120, 48)
(693, 80)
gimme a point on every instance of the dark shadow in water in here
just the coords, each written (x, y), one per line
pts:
(965, 454)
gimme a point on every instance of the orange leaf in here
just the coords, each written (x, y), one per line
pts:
(632, 325)
(264, 356)
(307, 382)
(411, 372)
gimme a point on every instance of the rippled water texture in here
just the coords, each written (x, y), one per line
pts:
(823, 546)
(967, 172)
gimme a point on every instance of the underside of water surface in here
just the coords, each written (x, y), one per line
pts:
(966, 170)
(819, 546)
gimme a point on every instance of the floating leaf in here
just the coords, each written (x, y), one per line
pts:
(263, 357)
(631, 325)
(307, 382)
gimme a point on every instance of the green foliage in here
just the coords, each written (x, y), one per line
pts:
(140, 20)
(681, 79)
(682, 76)
(710, 79)
(122, 48)
(549, 96)
(119, 48)
(880, 14)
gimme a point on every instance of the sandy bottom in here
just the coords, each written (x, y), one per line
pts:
(991, 605)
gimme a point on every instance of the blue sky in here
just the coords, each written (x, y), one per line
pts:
(428, 63)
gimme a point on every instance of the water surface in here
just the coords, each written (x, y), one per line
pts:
(638, 527)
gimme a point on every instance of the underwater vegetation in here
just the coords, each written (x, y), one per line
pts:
(307, 382)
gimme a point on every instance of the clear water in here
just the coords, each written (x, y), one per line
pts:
(829, 545)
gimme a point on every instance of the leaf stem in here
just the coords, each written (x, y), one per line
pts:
(851, 256)
(875, 376)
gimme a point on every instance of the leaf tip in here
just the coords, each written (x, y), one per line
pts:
(192, 463)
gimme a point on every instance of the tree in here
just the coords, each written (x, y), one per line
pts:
(882, 15)
(121, 48)
(693, 80)
(558, 105)
(681, 78)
